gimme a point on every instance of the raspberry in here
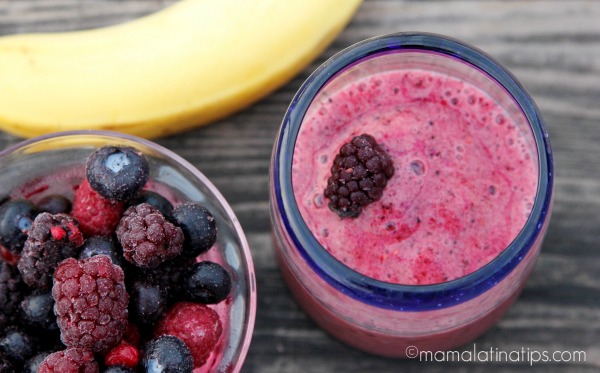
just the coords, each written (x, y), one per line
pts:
(71, 360)
(11, 293)
(91, 302)
(123, 354)
(197, 325)
(117, 173)
(97, 215)
(148, 239)
(359, 173)
(51, 239)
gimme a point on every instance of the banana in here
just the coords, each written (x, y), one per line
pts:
(185, 66)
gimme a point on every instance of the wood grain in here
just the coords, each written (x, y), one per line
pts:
(553, 47)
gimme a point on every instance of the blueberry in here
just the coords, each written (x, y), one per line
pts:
(154, 199)
(198, 226)
(118, 369)
(100, 245)
(16, 218)
(17, 345)
(167, 354)
(33, 365)
(36, 312)
(207, 283)
(55, 204)
(148, 301)
(117, 173)
(6, 366)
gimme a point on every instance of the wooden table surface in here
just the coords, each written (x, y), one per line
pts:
(552, 47)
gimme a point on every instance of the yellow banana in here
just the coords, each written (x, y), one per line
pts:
(182, 67)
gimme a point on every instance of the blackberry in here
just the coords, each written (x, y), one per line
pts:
(359, 174)
(100, 245)
(91, 302)
(198, 226)
(71, 360)
(33, 365)
(167, 354)
(36, 313)
(11, 293)
(17, 345)
(147, 238)
(16, 218)
(148, 301)
(55, 204)
(154, 199)
(117, 173)
(207, 283)
(51, 239)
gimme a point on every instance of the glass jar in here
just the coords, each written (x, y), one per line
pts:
(392, 319)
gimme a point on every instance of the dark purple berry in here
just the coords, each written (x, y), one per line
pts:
(117, 173)
(101, 245)
(36, 313)
(167, 354)
(17, 345)
(118, 369)
(154, 199)
(6, 365)
(55, 204)
(198, 226)
(207, 283)
(148, 301)
(16, 218)
(11, 293)
(358, 175)
(33, 365)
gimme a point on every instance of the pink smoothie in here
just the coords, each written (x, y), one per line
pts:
(464, 184)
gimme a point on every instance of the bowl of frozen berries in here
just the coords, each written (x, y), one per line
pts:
(117, 255)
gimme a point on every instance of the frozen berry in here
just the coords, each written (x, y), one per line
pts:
(207, 283)
(90, 302)
(97, 215)
(11, 293)
(51, 239)
(122, 354)
(71, 360)
(55, 204)
(33, 365)
(198, 226)
(17, 345)
(197, 325)
(16, 218)
(156, 200)
(167, 354)
(6, 365)
(8, 257)
(147, 238)
(36, 312)
(117, 172)
(100, 245)
(148, 301)
(118, 369)
(359, 173)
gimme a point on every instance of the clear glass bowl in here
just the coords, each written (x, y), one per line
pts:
(55, 163)
(395, 319)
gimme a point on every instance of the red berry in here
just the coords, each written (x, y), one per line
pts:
(123, 354)
(197, 325)
(8, 257)
(71, 360)
(97, 215)
(57, 233)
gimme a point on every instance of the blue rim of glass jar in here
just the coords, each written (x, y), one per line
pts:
(378, 293)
